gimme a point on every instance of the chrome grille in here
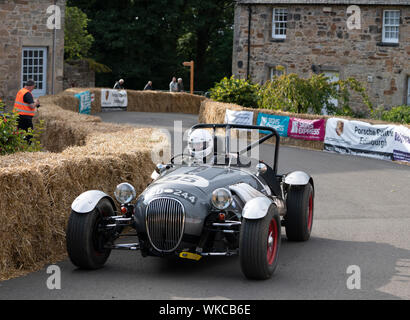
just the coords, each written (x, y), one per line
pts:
(165, 220)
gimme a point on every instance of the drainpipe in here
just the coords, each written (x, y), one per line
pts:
(54, 57)
(248, 70)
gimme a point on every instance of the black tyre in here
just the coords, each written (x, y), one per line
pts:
(85, 240)
(300, 210)
(259, 245)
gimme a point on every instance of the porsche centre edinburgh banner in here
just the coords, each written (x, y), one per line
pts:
(401, 144)
(280, 123)
(305, 129)
(360, 138)
(111, 98)
(85, 102)
(239, 117)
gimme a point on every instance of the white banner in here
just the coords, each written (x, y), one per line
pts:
(239, 117)
(401, 144)
(113, 98)
(360, 138)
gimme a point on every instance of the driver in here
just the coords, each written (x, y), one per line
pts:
(200, 146)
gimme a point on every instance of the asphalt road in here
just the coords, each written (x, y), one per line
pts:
(362, 218)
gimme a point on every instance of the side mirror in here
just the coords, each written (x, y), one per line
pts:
(261, 168)
(160, 168)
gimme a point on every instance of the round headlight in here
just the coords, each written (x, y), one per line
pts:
(221, 198)
(125, 193)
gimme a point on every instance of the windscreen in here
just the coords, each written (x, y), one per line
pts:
(231, 148)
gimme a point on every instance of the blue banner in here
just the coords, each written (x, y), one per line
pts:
(280, 123)
(85, 102)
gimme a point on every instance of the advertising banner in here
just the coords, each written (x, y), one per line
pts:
(114, 98)
(360, 138)
(306, 129)
(401, 144)
(280, 123)
(239, 117)
(85, 102)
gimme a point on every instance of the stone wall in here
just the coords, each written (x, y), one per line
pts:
(318, 39)
(23, 23)
(78, 74)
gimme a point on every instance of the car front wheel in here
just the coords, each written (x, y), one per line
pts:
(300, 211)
(259, 245)
(86, 239)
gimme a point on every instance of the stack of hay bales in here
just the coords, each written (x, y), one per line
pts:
(214, 112)
(140, 101)
(151, 101)
(38, 188)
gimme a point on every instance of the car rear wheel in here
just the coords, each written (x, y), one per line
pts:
(300, 211)
(86, 238)
(259, 245)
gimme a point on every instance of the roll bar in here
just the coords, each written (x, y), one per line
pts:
(228, 128)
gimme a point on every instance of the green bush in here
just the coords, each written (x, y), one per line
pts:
(291, 93)
(345, 87)
(399, 114)
(12, 139)
(238, 91)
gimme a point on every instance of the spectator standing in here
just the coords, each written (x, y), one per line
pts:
(25, 106)
(149, 86)
(119, 85)
(180, 85)
(173, 86)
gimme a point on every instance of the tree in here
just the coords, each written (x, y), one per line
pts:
(207, 38)
(77, 40)
(145, 40)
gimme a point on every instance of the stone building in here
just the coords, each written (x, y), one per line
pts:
(78, 74)
(31, 46)
(369, 41)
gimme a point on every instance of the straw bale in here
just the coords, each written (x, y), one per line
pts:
(151, 101)
(146, 101)
(38, 188)
(25, 236)
(36, 202)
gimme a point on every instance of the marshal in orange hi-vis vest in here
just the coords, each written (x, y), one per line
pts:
(21, 107)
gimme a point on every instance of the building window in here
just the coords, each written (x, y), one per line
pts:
(279, 23)
(332, 77)
(391, 25)
(34, 66)
(276, 71)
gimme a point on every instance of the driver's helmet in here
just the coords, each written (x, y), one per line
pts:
(200, 144)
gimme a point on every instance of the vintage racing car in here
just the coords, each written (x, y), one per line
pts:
(204, 203)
